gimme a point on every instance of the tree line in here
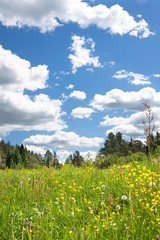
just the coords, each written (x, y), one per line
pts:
(115, 147)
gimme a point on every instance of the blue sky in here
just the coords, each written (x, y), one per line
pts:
(71, 71)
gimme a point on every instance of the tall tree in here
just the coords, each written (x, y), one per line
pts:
(77, 159)
(48, 157)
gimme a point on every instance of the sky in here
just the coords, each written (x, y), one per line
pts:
(72, 71)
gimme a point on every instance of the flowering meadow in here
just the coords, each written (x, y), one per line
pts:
(121, 202)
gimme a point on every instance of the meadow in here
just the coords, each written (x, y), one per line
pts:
(121, 202)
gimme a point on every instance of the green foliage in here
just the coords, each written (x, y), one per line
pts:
(116, 144)
(18, 157)
(76, 159)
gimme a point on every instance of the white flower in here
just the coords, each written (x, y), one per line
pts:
(29, 179)
(102, 193)
(114, 226)
(103, 186)
(152, 184)
(118, 207)
(124, 197)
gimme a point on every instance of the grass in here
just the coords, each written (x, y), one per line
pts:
(122, 202)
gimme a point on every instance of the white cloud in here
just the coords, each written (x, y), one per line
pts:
(83, 56)
(81, 112)
(18, 110)
(39, 150)
(70, 86)
(118, 99)
(16, 74)
(49, 14)
(63, 154)
(133, 78)
(111, 63)
(63, 140)
(156, 75)
(78, 94)
(89, 155)
(132, 125)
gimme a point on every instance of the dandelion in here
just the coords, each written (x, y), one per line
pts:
(124, 197)
(152, 184)
(114, 226)
(118, 207)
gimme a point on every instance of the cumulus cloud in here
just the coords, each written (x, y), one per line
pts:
(133, 78)
(78, 94)
(89, 155)
(70, 86)
(132, 125)
(18, 110)
(63, 140)
(83, 56)
(16, 74)
(39, 150)
(130, 100)
(49, 14)
(82, 112)
(63, 154)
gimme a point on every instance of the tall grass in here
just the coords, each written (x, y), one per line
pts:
(122, 202)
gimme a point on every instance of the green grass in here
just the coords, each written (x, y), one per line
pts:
(122, 202)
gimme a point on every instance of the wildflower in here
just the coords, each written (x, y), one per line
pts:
(102, 193)
(124, 197)
(118, 207)
(103, 186)
(114, 226)
(53, 219)
(70, 232)
(29, 179)
(152, 184)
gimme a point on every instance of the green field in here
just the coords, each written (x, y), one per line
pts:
(121, 202)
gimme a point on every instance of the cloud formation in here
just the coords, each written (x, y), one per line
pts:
(18, 110)
(133, 78)
(63, 140)
(82, 112)
(78, 95)
(82, 55)
(132, 125)
(130, 100)
(49, 14)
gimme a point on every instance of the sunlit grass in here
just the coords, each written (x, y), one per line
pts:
(122, 202)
